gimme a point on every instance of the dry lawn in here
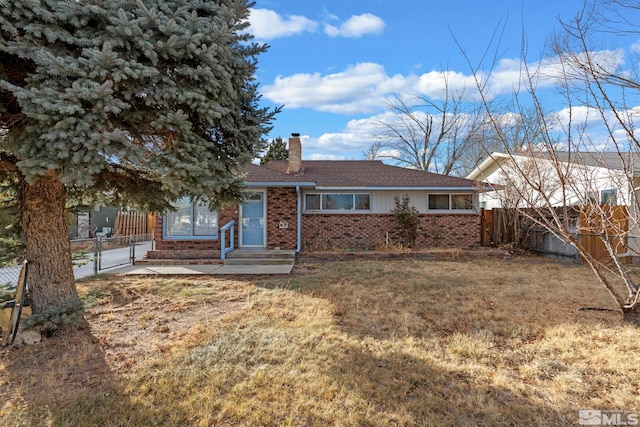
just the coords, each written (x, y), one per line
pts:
(480, 343)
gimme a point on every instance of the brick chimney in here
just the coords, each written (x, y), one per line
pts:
(295, 154)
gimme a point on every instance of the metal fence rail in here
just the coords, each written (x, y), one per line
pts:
(115, 251)
(92, 256)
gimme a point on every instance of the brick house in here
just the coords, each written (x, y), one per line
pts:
(325, 204)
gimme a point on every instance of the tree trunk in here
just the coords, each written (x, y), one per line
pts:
(631, 316)
(51, 281)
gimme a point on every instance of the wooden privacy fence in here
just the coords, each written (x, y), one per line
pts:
(508, 226)
(610, 220)
(132, 223)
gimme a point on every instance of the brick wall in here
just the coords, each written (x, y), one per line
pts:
(282, 208)
(328, 231)
(192, 248)
(342, 231)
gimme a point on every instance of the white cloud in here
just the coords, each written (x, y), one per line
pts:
(268, 25)
(359, 88)
(350, 143)
(319, 156)
(356, 26)
(366, 88)
(434, 84)
(578, 115)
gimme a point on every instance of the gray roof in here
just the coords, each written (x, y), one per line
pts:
(608, 159)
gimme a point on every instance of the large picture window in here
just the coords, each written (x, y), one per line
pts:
(446, 202)
(191, 221)
(338, 202)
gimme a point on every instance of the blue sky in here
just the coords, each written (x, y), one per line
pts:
(335, 64)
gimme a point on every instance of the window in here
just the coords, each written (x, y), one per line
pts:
(450, 202)
(592, 197)
(338, 202)
(438, 201)
(191, 221)
(609, 197)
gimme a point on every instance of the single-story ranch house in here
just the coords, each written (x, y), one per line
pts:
(325, 204)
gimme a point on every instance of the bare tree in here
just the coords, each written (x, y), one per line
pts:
(431, 135)
(571, 166)
(374, 152)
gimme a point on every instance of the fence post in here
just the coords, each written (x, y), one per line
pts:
(96, 255)
(132, 249)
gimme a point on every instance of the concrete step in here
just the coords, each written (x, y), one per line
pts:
(260, 254)
(178, 261)
(259, 261)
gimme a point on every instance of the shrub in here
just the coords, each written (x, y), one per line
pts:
(407, 218)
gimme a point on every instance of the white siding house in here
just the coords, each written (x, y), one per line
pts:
(563, 179)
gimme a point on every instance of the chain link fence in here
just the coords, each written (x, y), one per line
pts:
(93, 256)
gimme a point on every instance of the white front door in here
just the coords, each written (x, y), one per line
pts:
(253, 230)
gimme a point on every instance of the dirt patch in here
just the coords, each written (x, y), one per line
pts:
(130, 328)
(127, 325)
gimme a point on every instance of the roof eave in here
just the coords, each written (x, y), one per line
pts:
(477, 174)
(279, 184)
(400, 188)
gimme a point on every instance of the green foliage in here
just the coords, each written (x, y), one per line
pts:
(9, 251)
(142, 102)
(277, 150)
(407, 218)
(57, 317)
(7, 293)
(10, 243)
(80, 258)
(9, 209)
(93, 295)
(65, 314)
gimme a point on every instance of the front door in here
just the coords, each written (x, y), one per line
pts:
(252, 220)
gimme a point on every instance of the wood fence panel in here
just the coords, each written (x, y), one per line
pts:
(132, 223)
(612, 221)
(151, 223)
(486, 227)
(502, 226)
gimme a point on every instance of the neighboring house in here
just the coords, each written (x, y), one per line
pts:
(97, 221)
(563, 179)
(326, 204)
(105, 221)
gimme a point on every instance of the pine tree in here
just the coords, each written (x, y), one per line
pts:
(277, 150)
(145, 101)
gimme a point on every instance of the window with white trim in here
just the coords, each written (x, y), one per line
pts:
(190, 221)
(448, 202)
(333, 202)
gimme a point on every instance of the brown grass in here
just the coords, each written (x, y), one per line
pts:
(354, 343)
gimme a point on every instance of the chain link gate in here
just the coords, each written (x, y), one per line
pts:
(89, 257)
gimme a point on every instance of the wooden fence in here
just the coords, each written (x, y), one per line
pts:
(612, 220)
(507, 226)
(132, 223)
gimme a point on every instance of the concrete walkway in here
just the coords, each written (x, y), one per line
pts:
(213, 269)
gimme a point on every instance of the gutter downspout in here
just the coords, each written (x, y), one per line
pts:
(299, 221)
